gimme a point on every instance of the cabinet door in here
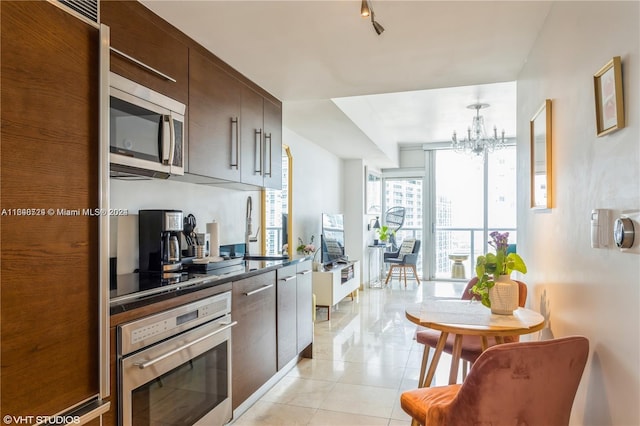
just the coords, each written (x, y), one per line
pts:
(139, 33)
(49, 304)
(253, 344)
(272, 145)
(251, 137)
(214, 113)
(286, 315)
(304, 301)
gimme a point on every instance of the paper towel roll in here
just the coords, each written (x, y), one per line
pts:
(212, 230)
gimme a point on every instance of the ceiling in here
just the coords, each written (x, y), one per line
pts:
(360, 95)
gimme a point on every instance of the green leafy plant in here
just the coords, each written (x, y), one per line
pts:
(490, 266)
(384, 232)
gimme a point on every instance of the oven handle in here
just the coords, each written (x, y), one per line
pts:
(149, 363)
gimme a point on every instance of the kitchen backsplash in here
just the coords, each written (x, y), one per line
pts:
(206, 203)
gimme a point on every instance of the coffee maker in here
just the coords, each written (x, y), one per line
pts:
(159, 234)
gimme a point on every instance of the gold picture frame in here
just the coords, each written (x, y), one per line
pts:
(541, 166)
(609, 97)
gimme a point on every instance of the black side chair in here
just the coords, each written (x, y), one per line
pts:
(405, 258)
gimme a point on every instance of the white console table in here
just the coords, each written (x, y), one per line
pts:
(332, 285)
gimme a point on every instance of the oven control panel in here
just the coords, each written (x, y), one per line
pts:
(146, 331)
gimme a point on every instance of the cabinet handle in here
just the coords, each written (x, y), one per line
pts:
(289, 278)
(308, 271)
(234, 126)
(268, 137)
(143, 65)
(258, 290)
(258, 152)
(224, 326)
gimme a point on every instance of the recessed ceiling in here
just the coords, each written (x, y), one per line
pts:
(307, 53)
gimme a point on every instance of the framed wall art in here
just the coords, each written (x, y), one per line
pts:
(541, 170)
(609, 97)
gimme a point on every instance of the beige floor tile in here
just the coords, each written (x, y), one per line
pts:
(267, 413)
(321, 369)
(357, 399)
(335, 418)
(373, 375)
(299, 392)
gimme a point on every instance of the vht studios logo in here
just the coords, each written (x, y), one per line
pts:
(29, 420)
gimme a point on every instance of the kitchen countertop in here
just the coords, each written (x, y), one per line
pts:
(123, 300)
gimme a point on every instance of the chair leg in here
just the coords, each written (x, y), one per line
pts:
(423, 367)
(404, 269)
(415, 274)
(389, 274)
(465, 365)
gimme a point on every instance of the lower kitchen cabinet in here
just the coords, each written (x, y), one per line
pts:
(304, 307)
(253, 343)
(286, 315)
(295, 311)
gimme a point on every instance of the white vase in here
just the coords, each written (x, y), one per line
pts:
(504, 296)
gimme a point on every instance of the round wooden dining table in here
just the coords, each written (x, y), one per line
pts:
(465, 318)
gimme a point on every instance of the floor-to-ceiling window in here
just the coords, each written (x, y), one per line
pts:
(406, 192)
(472, 196)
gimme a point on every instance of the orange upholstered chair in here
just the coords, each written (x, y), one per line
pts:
(523, 383)
(471, 345)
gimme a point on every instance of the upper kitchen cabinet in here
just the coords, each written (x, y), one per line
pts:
(235, 132)
(273, 144)
(156, 57)
(214, 120)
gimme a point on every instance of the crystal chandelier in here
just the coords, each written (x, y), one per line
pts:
(477, 141)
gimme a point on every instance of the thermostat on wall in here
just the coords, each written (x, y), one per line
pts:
(623, 232)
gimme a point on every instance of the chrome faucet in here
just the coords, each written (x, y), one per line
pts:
(249, 229)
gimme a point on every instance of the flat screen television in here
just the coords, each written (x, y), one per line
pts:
(332, 238)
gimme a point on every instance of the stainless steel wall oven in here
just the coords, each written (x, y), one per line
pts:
(174, 368)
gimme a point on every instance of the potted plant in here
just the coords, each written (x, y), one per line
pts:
(383, 233)
(494, 286)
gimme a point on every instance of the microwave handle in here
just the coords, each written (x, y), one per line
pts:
(167, 139)
(172, 140)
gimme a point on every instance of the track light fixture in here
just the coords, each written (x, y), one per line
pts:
(367, 10)
(364, 9)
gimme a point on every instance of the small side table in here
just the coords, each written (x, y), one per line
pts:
(457, 269)
(376, 263)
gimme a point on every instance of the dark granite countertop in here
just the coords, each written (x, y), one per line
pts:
(129, 290)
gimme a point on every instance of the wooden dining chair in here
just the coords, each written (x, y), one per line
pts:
(471, 345)
(522, 383)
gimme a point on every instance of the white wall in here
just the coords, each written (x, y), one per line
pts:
(354, 217)
(585, 291)
(317, 185)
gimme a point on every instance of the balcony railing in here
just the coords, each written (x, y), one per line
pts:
(461, 241)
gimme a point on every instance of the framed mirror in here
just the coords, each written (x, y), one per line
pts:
(541, 167)
(277, 210)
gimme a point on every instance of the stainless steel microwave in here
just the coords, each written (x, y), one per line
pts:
(146, 131)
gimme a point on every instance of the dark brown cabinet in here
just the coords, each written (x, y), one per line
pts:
(260, 140)
(145, 37)
(286, 314)
(273, 145)
(252, 138)
(214, 114)
(294, 313)
(253, 343)
(49, 161)
(304, 305)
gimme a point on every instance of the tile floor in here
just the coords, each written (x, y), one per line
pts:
(363, 359)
